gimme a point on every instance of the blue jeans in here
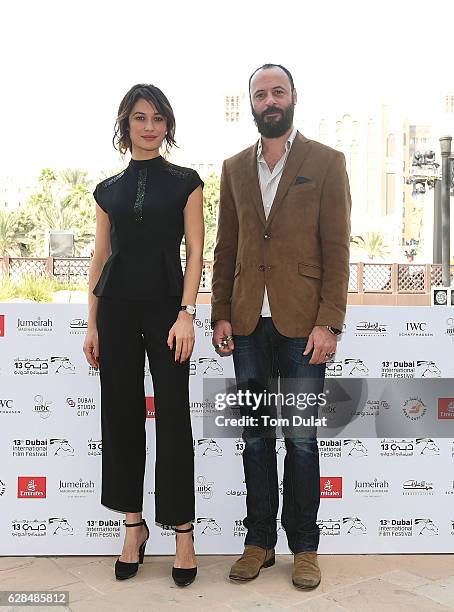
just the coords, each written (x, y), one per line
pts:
(259, 360)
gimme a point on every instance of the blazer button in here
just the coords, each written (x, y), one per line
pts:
(262, 268)
(267, 236)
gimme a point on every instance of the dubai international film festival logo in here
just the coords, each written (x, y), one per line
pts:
(61, 447)
(63, 365)
(354, 526)
(353, 447)
(209, 526)
(414, 408)
(60, 526)
(31, 487)
(208, 447)
(427, 447)
(330, 527)
(353, 367)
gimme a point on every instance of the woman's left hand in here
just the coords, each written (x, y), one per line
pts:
(182, 331)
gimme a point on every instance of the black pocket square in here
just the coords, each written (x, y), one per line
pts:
(301, 179)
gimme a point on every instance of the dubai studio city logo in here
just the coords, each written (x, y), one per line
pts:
(82, 406)
(414, 408)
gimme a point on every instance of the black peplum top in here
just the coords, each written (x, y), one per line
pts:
(145, 204)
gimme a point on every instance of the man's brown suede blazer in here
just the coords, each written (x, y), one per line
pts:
(301, 252)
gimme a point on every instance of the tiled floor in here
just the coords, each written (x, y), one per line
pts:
(358, 583)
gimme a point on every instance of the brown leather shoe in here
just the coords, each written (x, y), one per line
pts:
(306, 572)
(249, 565)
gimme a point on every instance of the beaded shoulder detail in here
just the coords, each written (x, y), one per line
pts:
(113, 179)
(178, 171)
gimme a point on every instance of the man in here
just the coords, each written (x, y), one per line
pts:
(279, 293)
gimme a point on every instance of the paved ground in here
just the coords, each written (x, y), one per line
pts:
(358, 583)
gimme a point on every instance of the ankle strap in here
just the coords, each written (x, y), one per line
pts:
(191, 528)
(142, 522)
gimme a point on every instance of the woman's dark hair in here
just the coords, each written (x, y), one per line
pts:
(150, 93)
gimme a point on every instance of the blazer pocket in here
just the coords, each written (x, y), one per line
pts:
(237, 270)
(309, 270)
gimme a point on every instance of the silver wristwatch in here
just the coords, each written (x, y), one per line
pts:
(189, 309)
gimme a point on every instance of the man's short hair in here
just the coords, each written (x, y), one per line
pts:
(267, 67)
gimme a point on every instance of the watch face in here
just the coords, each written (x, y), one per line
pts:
(190, 309)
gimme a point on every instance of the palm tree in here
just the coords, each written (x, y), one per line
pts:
(10, 235)
(373, 244)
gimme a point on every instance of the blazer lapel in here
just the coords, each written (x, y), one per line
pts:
(252, 182)
(298, 152)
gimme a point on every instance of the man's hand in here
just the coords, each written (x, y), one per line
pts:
(324, 344)
(223, 329)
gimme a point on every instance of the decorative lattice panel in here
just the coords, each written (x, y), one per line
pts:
(411, 278)
(24, 266)
(353, 278)
(377, 277)
(72, 269)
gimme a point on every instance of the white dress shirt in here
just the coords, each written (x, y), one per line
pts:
(269, 182)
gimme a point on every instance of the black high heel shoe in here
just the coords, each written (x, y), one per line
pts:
(184, 576)
(125, 570)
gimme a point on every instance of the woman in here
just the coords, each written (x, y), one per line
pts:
(139, 301)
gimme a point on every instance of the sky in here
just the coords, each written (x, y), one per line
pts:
(66, 65)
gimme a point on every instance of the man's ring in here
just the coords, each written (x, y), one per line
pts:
(329, 355)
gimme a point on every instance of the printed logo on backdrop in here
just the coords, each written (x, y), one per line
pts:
(390, 447)
(372, 408)
(102, 528)
(331, 487)
(29, 448)
(427, 447)
(7, 406)
(237, 492)
(376, 487)
(28, 528)
(34, 327)
(239, 530)
(450, 490)
(60, 526)
(452, 527)
(355, 448)
(204, 488)
(41, 407)
(209, 526)
(401, 527)
(94, 447)
(450, 327)
(410, 369)
(445, 407)
(92, 371)
(330, 527)
(329, 448)
(416, 328)
(417, 487)
(210, 366)
(82, 406)
(167, 530)
(203, 326)
(78, 326)
(150, 407)
(201, 409)
(76, 489)
(61, 447)
(371, 329)
(354, 526)
(2, 325)
(24, 366)
(208, 447)
(31, 487)
(414, 408)
(2, 488)
(348, 367)
(239, 444)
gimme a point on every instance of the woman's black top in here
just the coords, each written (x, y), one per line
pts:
(145, 205)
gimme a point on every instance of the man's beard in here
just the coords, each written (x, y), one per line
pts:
(276, 127)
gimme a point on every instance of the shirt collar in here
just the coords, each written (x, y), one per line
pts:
(288, 144)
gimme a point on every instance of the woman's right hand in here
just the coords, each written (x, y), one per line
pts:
(91, 347)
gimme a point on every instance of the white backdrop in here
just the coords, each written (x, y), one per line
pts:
(378, 494)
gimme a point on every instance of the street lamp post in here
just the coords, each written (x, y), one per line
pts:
(445, 144)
